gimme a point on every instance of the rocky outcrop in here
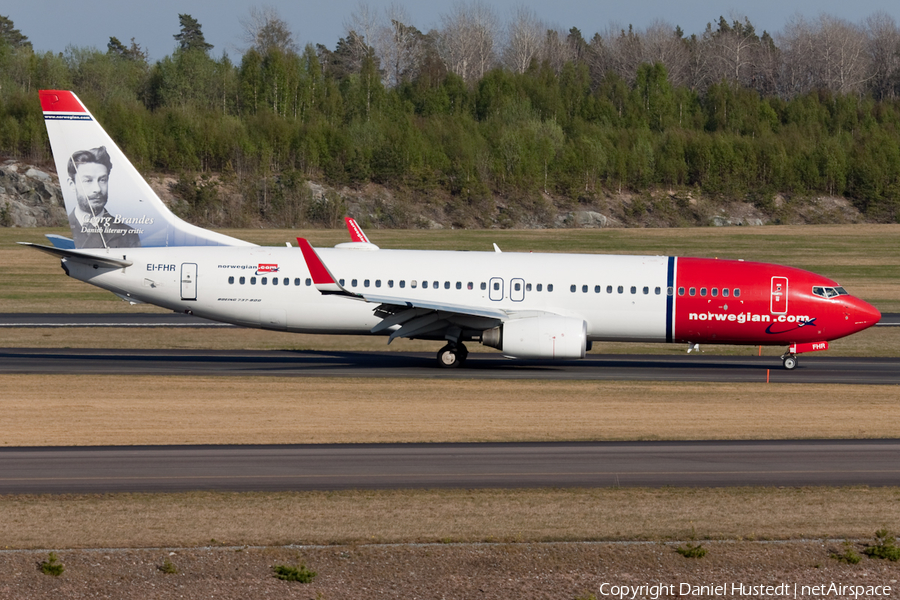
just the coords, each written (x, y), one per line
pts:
(30, 197)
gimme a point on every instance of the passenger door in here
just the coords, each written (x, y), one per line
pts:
(188, 281)
(779, 297)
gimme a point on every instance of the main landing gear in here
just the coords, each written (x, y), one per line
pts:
(452, 355)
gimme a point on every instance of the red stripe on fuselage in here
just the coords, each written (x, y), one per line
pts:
(748, 318)
(60, 101)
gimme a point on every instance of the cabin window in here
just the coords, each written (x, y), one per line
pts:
(424, 285)
(274, 281)
(737, 292)
(496, 286)
(549, 287)
(391, 283)
(308, 282)
(265, 280)
(715, 292)
(413, 284)
(459, 285)
(620, 289)
(572, 288)
(253, 281)
(724, 292)
(609, 289)
(242, 280)
(341, 282)
(681, 291)
(470, 286)
(693, 291)
(436, 285)
(378, 283)
(702, 291)
(540, 287)
(527, 287)
(365, 283)
(670, 291)
(353, 282)
(647, 290)
(446, 285)
(634, 289)
(597, 289)
(402, 283)
(483, 286)
(584, 289)
(518, 287)
(657, 291)
(231, 279)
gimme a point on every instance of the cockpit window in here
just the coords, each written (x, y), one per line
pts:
(828, 292)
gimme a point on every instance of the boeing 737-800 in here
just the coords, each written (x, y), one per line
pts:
(527, 305)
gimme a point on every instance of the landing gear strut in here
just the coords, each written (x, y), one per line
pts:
(452, 355)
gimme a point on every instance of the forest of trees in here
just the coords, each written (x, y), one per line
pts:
(479, 109)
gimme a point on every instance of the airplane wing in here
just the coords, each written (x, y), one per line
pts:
(81, 256)
(407, 316)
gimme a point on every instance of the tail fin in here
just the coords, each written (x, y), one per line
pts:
(110, 208)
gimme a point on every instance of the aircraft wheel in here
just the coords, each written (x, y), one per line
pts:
(450, 357)
(790, 362)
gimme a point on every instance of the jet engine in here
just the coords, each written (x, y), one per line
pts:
(539, 337)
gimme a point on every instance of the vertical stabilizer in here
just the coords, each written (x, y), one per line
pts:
(108, 202)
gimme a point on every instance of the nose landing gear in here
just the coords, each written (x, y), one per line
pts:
(789, 361)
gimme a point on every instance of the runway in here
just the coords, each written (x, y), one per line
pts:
(283, 363)
(398, 466)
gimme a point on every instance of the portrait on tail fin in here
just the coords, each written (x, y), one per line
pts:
(92, 225)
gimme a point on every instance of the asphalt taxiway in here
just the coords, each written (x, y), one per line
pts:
(527, 465)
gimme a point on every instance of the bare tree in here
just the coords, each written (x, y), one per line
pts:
(361, 29)
(829, 54)
(265, 30)
(557, 50)
(884, 55)
(524, 37)
(465, 41)
(399, 46)
(663, 43)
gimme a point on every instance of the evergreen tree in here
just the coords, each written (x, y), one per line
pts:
(191, 35)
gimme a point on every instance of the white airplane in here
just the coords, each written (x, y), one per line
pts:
(528, 305)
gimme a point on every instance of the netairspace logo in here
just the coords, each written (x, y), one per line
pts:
(737, 590)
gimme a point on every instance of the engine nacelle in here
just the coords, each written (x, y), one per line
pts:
(539, 337)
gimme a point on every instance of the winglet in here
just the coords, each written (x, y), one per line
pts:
(321, 276)
(356, 232)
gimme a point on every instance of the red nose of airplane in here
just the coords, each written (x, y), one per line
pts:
(861, 314)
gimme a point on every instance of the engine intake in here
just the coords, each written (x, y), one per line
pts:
(539, 337)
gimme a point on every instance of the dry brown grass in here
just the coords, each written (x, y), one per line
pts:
(193, 519)
(111, 410)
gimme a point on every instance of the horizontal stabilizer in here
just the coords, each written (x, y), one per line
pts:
(81, 256)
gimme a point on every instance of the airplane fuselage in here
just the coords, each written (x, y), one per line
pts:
(619, 298)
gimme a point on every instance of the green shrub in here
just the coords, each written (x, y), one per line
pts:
(885, 547)
(848, 556)
(168, 567)
(299, 573)
(690, 550)
(52, 566)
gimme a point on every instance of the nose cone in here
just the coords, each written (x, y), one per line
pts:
(862, 314)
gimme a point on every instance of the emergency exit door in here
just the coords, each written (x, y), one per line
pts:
(779, 297)
(188, 281)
